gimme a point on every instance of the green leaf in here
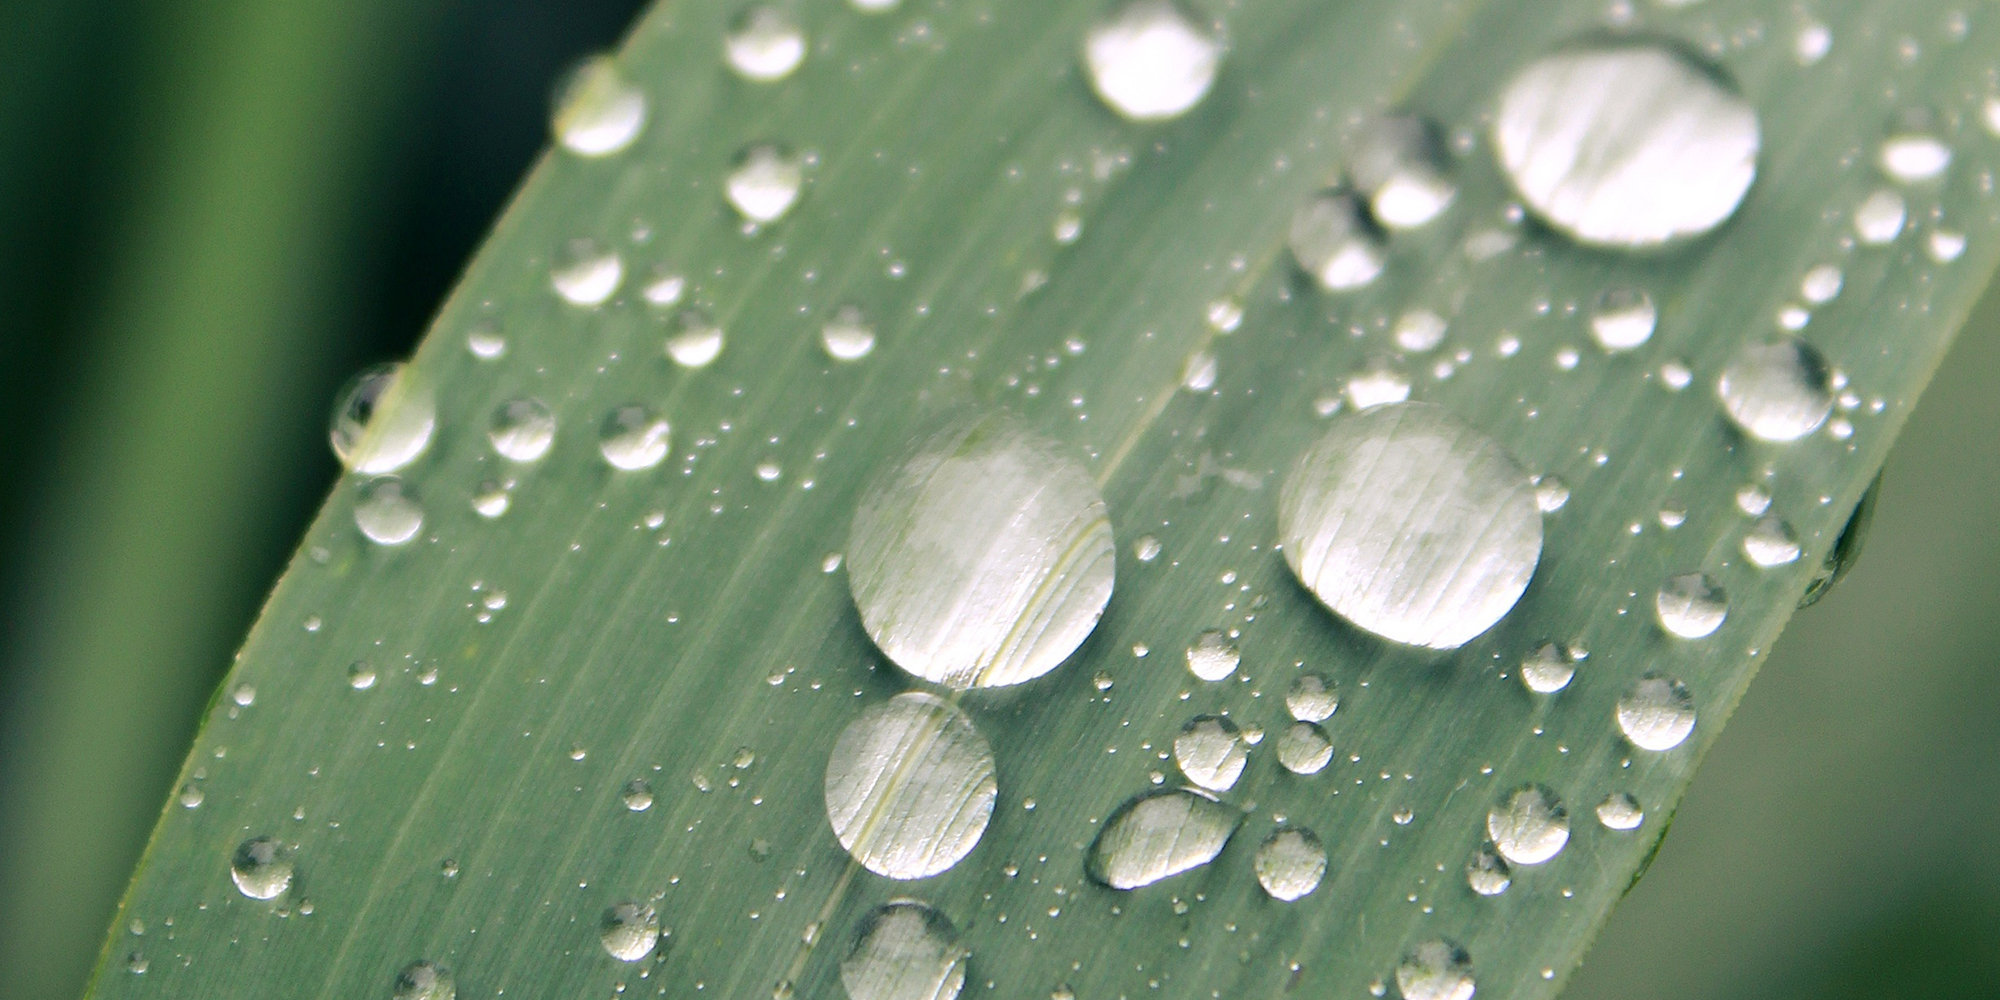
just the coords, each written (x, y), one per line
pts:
(679, 624)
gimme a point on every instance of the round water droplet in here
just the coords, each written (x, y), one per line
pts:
(1771, 542)
(764, 44)
(1211, 752)
(1656, 714)
(381, 420)
(485, 342)
(848, 336)
(1548, 669)
(586, 274)
(1487, 873)
(1620, 811)
(1912, 151)
(764, 183)
(1626, 144)
(597, 112)
(424, 980)
(1312, 698)
(1290, 863)
(261, 867)
(910, 787)
(633, 438)
(984, 559)
(1151, 61)
(1551, 494)
(1880, 216)
(1529, 826)
(1435, 970)
(492, 499)
(1411, 525)
(387, 512)
(1160, 833)
(1212, 656)
(1330, 240)
(629, 931)
(905, 950)
(1398, 163)
(695, 341)
(1821, 284)
(1691, 605)
(1780, 391)
(1303, 748)
(1419, 331)
(360, 676)
(522, 430)
(1623, 319)
(637, 795)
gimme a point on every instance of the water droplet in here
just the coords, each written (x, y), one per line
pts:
(191, 796)
(1435, 970)
(1691, 605)
(848, 336)
(1290, 863)
(629, 931)
(1753, 499)
(485, 342)
(1210, 752)
(523, 430)
(1945, 245)
(381, 420)
(1212, 656)
(905, 950)
(1912, 152)
(1551, 494)
(261, 867)
(1657, 713)
(586, 274)
(1411, 525)
(1312, 698)
(1771, 542)
(136, 964)
(1821, 284)
(637, 795)
(387, 511)
(1812, 43)
(492, 499)
(1331, 241)
(1419, 331)
(1377, 384)
(633, 438)
(1487, 873)
(1225, 315)
(424, 980)
(764, 44)
(764, 183)
(1879, 218)
(1151, 61)
(1778, 391)
(1160, 833)
(1198, 372)
(1303, 748)
(695, 341)
(1529, 826)
(1620, 811)
(597, 112)
(1398, 162)
(1146, 548)
(1624, 319)
(984, 559)
(1548, 669)
(1626, 144)
(910, 787)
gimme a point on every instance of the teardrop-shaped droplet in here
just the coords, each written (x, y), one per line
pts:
(1529, 826)
(424, 980)
(764, 183)
(764, 44)
(1160, 833)
(1626, 144)
(1623, 319)
(629, 930)
(382, 420)
(633, 438)
(1312, 698)
(1656, 714)
(1779, 391)
(1151, 61)
(1435, 970)
(984, 559)
(597, 112)
(1411, 525)
(261, 867)
(1691, 605)
(1330, 239)
(905, 950)
(910, 787)
(1290, 863)
(1211, 752)
(1398, 163)
(522, 430)
(387, 511)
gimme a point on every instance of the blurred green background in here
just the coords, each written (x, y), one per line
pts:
(213, 211)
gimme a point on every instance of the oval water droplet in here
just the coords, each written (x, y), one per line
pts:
(1151, 61)
(1290, 863)
(522, 430)
(1821, 284)
(1411, 525)
(1529, 826)
(984, 559)
(905, 950)
(633, 438)
(261, 867)
(1548, 669)
(1771, 542)
(1779, 391)
(1487, 873)
(1398, 163)
(586, 274)
(1623, 319)
(1212, 656)
(1210, 751)
(1691, 605)
(597, 112)
(764, 44)
(629, 930)
(1160, 833)
(1419, 331)
(910, 787)
(387, 512)
(424, 980)
(1620, 811)
(1912, 151)
(695, 341)
(1303, 748)
(1435, 970)
(382, 420)
(1880, 216)
(1626, 144)
(1331, 241)
(764, 183)
(1656, 714)
(1312, 698)
(848, 336)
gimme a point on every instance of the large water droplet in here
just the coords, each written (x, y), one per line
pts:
(1312, 698)
(1290, 863)
(1303, 748)
(1779, 391)
(597, 112)
(910, 787)
(522, 430)
(1160, 833)
(1691, 605)
(1435, 970)
(424, 980)
(633, 438)
(764, 44)
(984, 559)
(1624, 319)
(1331, 241)
(1210, 751)
(1151, 61)
(261, 867)
(1529, 826)
(381, 420)
(629, 931)
(1411, 525)
(848, 336)
(1398, 162)
(1212, 656)
(764, 183)
(1657, 713)
(1487, 873)
(695, 341)
(387, 511)
(1626, 144)
(586, 274)
(905, 950)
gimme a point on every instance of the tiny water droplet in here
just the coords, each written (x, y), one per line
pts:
(424, 980)
(764, 183)
(1212, 656)
(1312, 698)
(522, 430)
(695, 341)
(905, 950)
(387, 512)
(381, 420)
(1623, 319)
(1151, 61)
(910, 787)
(1656, 714)
(1620, 811)
(764, 44)
(1290, 863)
(633, 438)
(597, 113)
(1691, 605)
(1435, 970)
(1330, 240)
(629, 931)
(1303, 748)
(586, 274)
(848, 336)
(261, 867)
(1160, 833)
(1771, 542)
(1210, 751)
(1778, 391)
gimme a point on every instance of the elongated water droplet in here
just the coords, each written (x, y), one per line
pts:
(1435, 970)
(1330, 240)
(1620, 811)
(1487, 873)
(848, 336)
(629, 931)
(387, 511)
(382, 420)
(1780, 391)
(1529, 826)
(910, 787)
(1771, 542)
(1912, 151)
(905, 950)
(1691, 605)
(695, 341)
(633, 438)
(1411, 525)
(1399, 164)
(522, 430)
(764, 183)
(597, 112)
(1624, 319)
(1548, 669)
(586, 274)
(1290, 863)
(1212, 656)
(1210, 751)
(1656, 714)
(764, 44)
(261, 867)
(984, 559)
(424, 980)
(1312, 698)
(1880, 216)
(1821, 284)
(1151, 61)
(1378, 383)
(1626, 144)
(1303, 748)
(1160, 833)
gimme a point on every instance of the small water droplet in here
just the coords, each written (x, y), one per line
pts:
(1691, 605)
(629, 931)
(522, 430)
(1312, 698)
(1419, 331)
(1912, 151)
(764, 44)
(1753, 499)
(1551, 494)
(1813, 41)
(1656, 714)
(633, 438)
(910, 787)
(1290, 863)
(1548, 669)
(664, 288)
(381, 420)
(597, 112)
(695, 341)
(1212, 656)
(1771, 542)
(492, 499)
(1821, 284)
(1378, 383)
(1151, 61)
(1198, 372)
(764, 183)
(261, 867)
(1435, 970)
(637, 795)
(1529, 826)
(848, 336)
(387, 512)
(1880, 216)
(1210, 752)
(424, 980)
(1623, 319)
(1620, 811)
(191, 796)
(905, 950)
(1398, 162)
(1160, 833)
(1778, 391)
(1225, 315)
(1487, 873)
(586, 274)
(1146, 548)
(1330, 240)
(485, 342)
(1945, 245)
(1303, 748)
